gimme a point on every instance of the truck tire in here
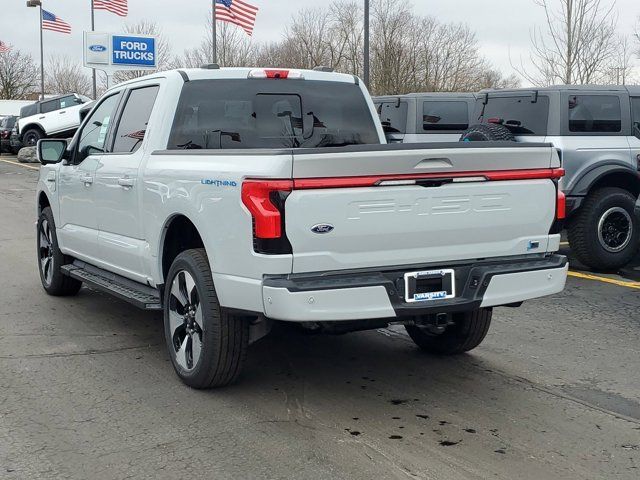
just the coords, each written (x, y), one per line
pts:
(30, 137)
(50, 259)
(487, 132)
(604, 233)
(207, 344)
(466, 333)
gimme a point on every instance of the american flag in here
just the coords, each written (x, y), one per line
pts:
(53, 23)
(237, 12)
(4, 48)
(119, 7)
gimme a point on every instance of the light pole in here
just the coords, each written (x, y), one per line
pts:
(214, 34)
(93, 70)
(33, 4)
(366, 43)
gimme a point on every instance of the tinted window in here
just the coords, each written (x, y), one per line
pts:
(521, 115)
(445, 116)
(69, 101)
(7, 122)
(393, 116)
(635, 112)
(271, 114)
(595, 113)
(50, 106)
(134, 119)
(94, 133)
(28, 110)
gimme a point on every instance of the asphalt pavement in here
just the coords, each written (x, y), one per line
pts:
(87, 390)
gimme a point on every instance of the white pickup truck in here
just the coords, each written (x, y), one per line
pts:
(230, 198)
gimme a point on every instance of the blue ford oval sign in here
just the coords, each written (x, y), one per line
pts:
(322, 228)
(97, 48)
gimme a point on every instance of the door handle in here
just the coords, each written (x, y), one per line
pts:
(63, 111)
(126, 182)
(51, 177)
(87, 179)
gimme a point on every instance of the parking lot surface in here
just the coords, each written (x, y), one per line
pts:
(87, 389)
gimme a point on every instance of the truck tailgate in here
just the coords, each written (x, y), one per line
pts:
(371, 208)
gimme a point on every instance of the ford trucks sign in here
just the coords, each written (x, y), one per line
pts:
(111, 52)
(133, 51)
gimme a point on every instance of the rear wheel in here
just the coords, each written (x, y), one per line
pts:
(31, 137)
(207, 345)
(50, 259)
(466, 333)
(605, 232)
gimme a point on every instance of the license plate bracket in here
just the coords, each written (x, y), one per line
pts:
(429, 285)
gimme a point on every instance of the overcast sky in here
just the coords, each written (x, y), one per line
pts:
(502, 26)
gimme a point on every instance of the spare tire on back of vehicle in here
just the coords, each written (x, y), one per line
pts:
(487, 132)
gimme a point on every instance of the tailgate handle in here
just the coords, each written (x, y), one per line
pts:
(435, 162)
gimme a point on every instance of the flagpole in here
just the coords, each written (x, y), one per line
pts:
(214, 34)
(366, 43)
(41, 58)
(93, 75)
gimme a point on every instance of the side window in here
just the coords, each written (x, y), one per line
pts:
(635, 115)
(595, 114)
(69, 101)
(445, 116)
(134, 119)
(393, 116)
(50, 106)
(94, 133)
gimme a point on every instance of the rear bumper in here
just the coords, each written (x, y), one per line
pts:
(371, 294)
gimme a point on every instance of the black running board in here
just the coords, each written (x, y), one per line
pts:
(142, 296)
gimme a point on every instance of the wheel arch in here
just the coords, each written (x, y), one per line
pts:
(43, 201)
(620, 176)
(30, 126)
(179, 233)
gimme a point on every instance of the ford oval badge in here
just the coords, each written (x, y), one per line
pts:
(97, 48)
(322, 228)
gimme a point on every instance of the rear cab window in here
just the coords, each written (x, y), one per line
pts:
(267, 113)
(393, 116)
(522, 114)
(594, 114)
(450, 116)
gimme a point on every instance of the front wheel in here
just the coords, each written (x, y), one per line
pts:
(605, 232)
(466, 332)
(207, 344)
(50, 259)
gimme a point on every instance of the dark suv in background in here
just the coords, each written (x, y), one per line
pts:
(6, 126)
(597, 132)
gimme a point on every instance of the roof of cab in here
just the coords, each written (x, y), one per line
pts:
(189, 74)
(568, 88)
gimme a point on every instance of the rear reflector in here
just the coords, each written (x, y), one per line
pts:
(561, 205)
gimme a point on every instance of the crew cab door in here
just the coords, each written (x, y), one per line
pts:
(121, 242)
(68, 116)
(78, 223)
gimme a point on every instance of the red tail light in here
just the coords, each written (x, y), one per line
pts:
(257, 196)
(561, 205)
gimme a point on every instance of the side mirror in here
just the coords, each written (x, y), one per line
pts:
(51, 150)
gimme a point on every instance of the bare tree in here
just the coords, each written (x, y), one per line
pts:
(66, 76)
(235, 48)
(577, 45)
(19, 75)
(163, 50)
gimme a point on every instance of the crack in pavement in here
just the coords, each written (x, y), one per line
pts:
(77, 354)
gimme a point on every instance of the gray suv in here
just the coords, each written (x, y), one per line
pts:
(597, 132)
(425, 117)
